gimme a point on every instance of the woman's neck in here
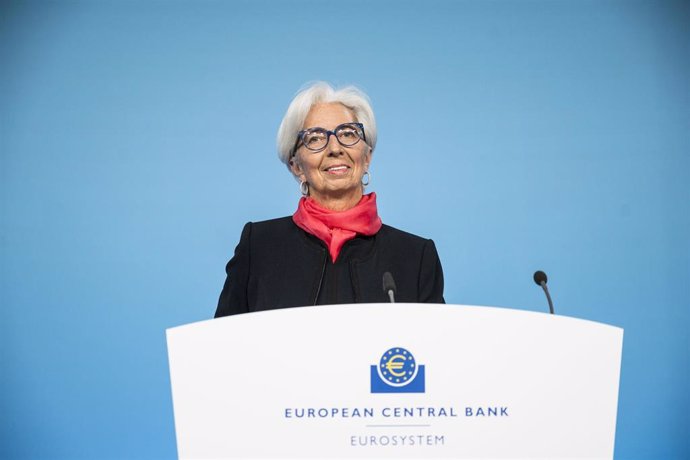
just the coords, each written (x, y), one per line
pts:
(338, 203)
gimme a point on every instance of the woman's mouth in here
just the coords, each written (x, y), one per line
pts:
(338, 169)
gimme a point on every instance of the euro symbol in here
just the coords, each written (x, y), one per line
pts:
(394, 365)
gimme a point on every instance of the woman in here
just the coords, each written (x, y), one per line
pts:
(334, 249)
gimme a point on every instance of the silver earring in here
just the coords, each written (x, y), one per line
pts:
(304, 188)
(368, 176)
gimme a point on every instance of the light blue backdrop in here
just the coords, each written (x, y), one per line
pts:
(137, 138)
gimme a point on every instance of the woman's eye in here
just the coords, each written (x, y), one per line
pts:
(313, 139)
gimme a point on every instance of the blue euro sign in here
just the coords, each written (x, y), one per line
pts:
(394, 365)
(397, 372)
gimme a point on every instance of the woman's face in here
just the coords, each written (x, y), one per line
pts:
(334, 174)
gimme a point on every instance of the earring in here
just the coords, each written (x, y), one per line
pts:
(368, 176)
(304, 188)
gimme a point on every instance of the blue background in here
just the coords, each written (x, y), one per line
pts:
(416, 385)
(137, 138)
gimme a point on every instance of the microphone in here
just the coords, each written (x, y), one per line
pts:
(389, 286)
(540, 278)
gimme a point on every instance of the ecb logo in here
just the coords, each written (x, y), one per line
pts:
(397, 372)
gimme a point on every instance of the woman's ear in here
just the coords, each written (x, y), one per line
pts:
(295, 167)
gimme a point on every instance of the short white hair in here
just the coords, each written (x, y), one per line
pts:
(321, 92)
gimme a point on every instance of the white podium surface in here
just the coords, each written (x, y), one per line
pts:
(297, 383)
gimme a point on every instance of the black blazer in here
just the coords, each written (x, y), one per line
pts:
(279, 265)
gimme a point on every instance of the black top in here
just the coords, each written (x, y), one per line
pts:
(279, 265)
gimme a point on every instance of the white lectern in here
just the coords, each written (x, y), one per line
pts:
(395, 381)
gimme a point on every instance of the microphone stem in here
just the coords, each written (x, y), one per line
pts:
(548, 296)
(391, 296)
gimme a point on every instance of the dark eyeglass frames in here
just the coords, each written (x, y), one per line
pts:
(316, 139)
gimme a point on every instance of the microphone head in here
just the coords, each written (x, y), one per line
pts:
(388, 283)
(540, 277)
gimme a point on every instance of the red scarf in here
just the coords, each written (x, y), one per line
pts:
(336, 228)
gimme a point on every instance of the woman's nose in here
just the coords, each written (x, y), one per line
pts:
(333, 147)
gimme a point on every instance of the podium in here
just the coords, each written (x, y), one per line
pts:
(395, 381)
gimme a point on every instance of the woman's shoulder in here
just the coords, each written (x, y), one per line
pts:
(273, 223)
(401, 236)
(271, 228)
(271, 239)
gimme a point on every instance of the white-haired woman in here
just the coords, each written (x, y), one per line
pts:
(334, 249)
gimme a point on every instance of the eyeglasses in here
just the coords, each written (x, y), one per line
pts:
(316, 139)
